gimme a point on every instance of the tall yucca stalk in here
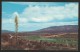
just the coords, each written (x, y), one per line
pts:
(16, 24)
(16, 28)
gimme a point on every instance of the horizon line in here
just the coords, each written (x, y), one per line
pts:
(39, 29)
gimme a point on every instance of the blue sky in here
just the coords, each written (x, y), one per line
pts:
(37, 15)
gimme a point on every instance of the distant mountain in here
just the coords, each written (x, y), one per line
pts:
(7, 31)
(59, 29)
(52, 29)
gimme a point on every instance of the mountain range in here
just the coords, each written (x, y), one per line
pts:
(53, 29)
(59, 29)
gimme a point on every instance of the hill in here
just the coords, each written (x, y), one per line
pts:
(50, 30)
(59, 29)
(7, 31)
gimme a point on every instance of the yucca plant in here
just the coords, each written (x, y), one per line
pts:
(16, 28)
(16, 24)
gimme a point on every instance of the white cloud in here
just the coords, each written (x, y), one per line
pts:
(11, 20)
(16, 13)
(45, 14)
(41, 19)
(23, 20)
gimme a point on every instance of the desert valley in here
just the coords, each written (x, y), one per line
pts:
(50, 38)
